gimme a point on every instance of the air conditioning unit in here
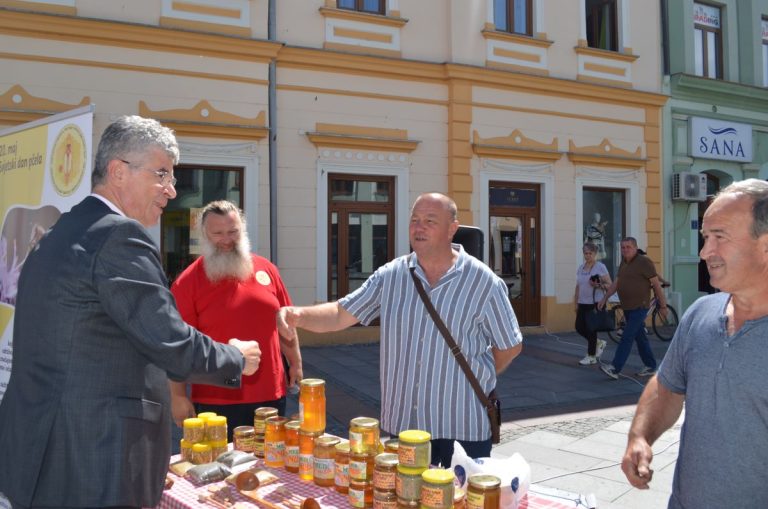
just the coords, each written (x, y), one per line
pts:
(689, 186)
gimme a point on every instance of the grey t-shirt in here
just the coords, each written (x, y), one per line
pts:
(724, 439)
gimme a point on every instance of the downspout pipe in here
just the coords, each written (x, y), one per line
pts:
(272, 119)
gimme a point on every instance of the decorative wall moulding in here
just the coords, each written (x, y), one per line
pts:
(605, 155)
(18, 106)
(203, 120)
(515, 146)
(359, 137)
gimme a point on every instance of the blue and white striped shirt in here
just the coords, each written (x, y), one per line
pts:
(422, 385)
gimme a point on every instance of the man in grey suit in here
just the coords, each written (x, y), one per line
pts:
(85, 420)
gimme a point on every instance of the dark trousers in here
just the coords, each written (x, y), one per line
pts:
(240, 414)
(583, 330)
(442, 450)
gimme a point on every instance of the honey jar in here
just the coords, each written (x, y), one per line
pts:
(384, 499)
(274, 441)
(324, 469)
(258, 445)
(360, 493)
(483, 492)
(391, 445)
(185, 448)
(361, 466)
(414, 449)
(292, 446)
(459, 498)
(194, 430)
(242, 438)
(260, 416)
(218, 447)
(385, 472)
(312, 405)
(216, 428)
(437, 488)
(201, 453)
(363, 435)
(306, 454)
(341, 478)
(408, 483)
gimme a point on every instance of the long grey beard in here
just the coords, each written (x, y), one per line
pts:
(234, 264)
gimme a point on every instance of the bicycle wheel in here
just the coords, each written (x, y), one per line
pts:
(665, 329)
(615, 334)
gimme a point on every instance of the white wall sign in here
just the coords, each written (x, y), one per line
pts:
(715, 139)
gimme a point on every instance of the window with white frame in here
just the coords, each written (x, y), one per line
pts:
(764, 26)
(602, 24)
(708, 41)
(513, 16)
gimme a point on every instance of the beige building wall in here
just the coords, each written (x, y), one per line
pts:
(430, 94)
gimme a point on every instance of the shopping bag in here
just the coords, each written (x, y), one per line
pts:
(601, 320)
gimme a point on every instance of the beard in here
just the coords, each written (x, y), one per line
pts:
(235, 264)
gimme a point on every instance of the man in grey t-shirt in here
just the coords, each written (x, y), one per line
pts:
(715, 366)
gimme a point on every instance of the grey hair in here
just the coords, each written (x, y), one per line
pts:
(758, 191)
(221, 208)
(589, 246)
(130, 136)
(631, 240)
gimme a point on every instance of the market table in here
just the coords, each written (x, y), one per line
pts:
(184, 495)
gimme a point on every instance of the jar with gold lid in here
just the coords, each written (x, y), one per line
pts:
(274, 441)
(258, 445)
(341, 478)
(242, 438)
(364, 435)
(323, 470)
(201, 453)
(216, 428)
(391, 445)
(306, 454)
(384, 499)
(260, 415)
(483, 492)
(385, 472)
(194, 430)
(312, 404)
(360, 493)
(437, 488)
(414, 449)
(292, 446)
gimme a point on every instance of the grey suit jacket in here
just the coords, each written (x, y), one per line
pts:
(85, 420)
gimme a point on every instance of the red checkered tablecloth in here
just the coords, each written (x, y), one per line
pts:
(185, 495)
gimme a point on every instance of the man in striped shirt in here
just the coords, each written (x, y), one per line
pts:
(422, 385)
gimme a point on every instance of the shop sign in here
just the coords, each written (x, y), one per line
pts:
(715, 139)
(706, 15)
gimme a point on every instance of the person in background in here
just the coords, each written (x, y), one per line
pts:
(85, 420)
(715, 368)
(637, 276)
(591, 279)
(422, 385)
(229, 292)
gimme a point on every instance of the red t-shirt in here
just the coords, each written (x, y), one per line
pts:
(237, 309)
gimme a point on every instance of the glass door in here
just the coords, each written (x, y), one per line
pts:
(513, 246)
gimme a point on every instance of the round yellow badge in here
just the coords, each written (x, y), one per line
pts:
(263, 278)
(68, 160)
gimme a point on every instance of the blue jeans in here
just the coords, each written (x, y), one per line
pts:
(634, 330)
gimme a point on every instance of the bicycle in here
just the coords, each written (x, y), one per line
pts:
(664, 328)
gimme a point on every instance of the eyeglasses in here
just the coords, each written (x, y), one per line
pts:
(164, 175)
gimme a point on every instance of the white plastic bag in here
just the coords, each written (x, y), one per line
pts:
(514, 472)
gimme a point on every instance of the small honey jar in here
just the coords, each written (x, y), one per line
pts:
(260, 415)
(363, 435)
(324, 469)
(306, 454)
(274, 441)
(292, 446)
(242, 438)
(201, 453)
(194, 430)
(437, 488)
(341, 478)
(483, 492)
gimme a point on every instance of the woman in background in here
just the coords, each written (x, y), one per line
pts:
(591, 280)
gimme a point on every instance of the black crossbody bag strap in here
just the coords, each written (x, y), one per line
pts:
(455, 350)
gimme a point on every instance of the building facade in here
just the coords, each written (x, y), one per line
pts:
(715, 123)
(541, 119)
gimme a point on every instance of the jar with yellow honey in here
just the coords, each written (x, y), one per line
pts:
(260, 416)
(312, 404)
(364, 435)
(292, 446)
(274, 441)
(414, 449)
(385, 472)
(437, 488)
(324, 469)
(341, 478)
(306, 454)
(483, 492)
